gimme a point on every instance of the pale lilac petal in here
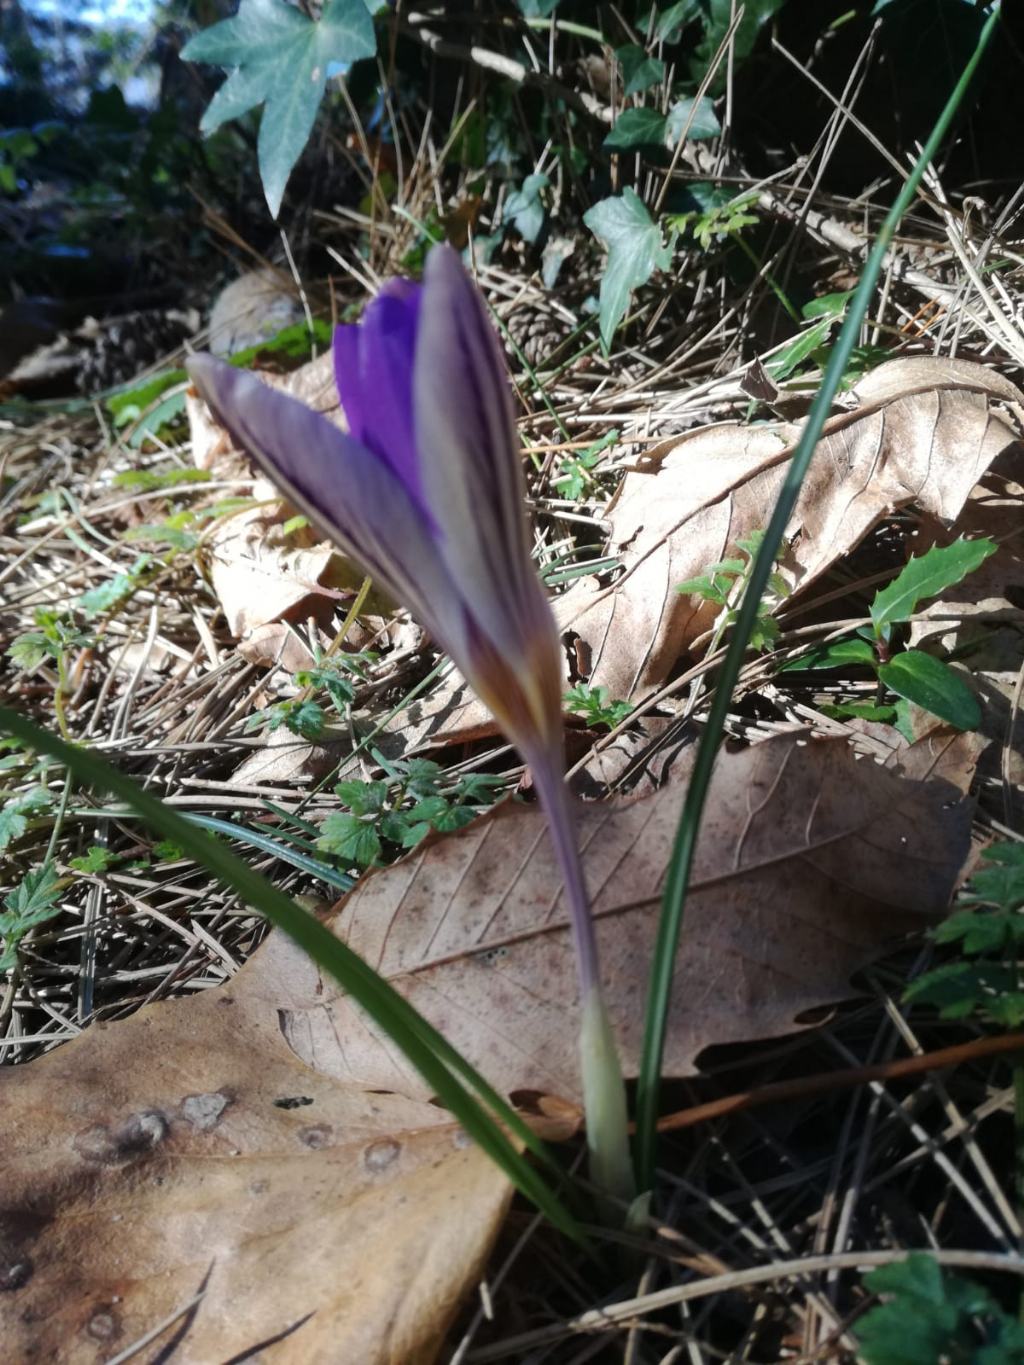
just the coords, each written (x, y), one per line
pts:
(344, 488)
(470, 460)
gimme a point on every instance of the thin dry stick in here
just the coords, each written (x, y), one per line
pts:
(803, 1086)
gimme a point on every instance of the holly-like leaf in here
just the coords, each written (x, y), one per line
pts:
(279, 58)
(926, 576)
(635, 251)
(928, 682)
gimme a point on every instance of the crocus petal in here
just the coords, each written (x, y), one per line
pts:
(373, 366)
(469, 458)
(346, 489)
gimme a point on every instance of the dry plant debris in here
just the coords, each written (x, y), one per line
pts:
(765, 1216)
(177, 1166)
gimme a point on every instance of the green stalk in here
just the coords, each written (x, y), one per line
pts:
(680, 866)
(436, 1060)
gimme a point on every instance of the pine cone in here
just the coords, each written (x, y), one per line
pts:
(537, 332)
(115, 350)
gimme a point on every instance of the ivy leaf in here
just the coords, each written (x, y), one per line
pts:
(920, 678)
(524, 208)
(703, 125)
(635, 128)
(635, 251)
(926, 576)
(279, 57)
(639, 72)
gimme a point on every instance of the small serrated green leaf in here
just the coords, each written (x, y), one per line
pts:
(15, 814)
(29, 650)
(635, 251)
(928, 682)
(32, 902)
(926, 576)
(363, 798)
(96, 860)
(349, 838)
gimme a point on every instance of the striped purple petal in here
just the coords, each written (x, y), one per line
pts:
(346, 489)
(373, 367)
(470, 462)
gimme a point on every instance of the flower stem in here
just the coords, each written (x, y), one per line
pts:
(604, 1091)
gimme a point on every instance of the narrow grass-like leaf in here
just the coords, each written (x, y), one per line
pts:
(678, 876)
(432, 1056)
(928, 682)
(926, 576)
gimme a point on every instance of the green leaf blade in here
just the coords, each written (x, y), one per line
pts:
(925, 576)
(635, 250)
(928, 682)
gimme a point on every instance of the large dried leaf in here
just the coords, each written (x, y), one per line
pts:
(924, 432)
(187, 1149)
(809, 860)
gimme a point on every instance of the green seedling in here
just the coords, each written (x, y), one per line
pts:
(910, 674)
(33, 902)
(931, 1317)
(723, 584)
(593, 704)
(384, 818)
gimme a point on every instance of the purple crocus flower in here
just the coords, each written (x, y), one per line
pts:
(426, 492)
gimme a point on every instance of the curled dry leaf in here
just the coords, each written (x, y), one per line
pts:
(188, 1151)
(925, 431)
(810, 859)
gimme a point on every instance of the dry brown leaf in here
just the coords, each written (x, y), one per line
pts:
(982, 618)
(925, 432)
(810, 859)
(188, 1149)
